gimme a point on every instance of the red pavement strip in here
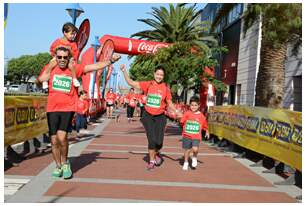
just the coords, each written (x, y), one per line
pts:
(213, 169)
(162, 193)
(131, 166)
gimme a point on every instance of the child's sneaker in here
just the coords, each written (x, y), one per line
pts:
(185, 166)
(151, 165)
(194, 162)
(45, 85)
(76, 83)
(67, 173)
(57, 172)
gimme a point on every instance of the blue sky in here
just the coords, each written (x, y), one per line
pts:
(32, 27)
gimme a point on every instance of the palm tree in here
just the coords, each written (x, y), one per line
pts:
(178, 24)
(281, 26)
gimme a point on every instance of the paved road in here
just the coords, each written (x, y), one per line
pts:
(109, 166)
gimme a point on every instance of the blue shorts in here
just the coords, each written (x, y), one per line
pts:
(189, 143)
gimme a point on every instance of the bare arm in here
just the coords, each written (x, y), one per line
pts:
(101, 65)
(172, 108)
(128, 79)
(45, 76)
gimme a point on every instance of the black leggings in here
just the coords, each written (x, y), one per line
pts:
(155, 128)
(130, 111)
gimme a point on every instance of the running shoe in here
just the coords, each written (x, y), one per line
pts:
(158, 159)
(185, 166)
(151, 165)
(194, 162)
(67, 173)
(57, 172)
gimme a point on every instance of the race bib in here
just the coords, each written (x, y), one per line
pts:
(110, 102)
(192, 127)
(62, 83)
(154, 100)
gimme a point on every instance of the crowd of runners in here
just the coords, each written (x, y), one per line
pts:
(152, 103)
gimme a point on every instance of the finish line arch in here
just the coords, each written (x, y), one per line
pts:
(122, 45)
(127, 46)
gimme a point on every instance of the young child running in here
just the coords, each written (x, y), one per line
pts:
(68, 41)
(193, 122)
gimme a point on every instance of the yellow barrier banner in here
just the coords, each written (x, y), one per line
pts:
(25, 118)
(275, 133)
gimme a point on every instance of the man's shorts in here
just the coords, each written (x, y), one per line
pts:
(59, 121)
(189, 143)
(109, 105)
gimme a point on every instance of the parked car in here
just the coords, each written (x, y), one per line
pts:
(14, 87)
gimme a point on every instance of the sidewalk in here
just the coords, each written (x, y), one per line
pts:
(111, 168)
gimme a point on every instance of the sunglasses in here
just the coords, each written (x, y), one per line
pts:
(62, 57)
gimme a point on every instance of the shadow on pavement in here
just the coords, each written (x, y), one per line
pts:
(83, 160)
(61, 195)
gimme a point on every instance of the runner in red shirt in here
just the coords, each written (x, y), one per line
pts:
(131, 104)
(193, 122)
(81, 110)
(61, 103)
(110, 98)
(154, 120)
(143, 100)
(69, 32)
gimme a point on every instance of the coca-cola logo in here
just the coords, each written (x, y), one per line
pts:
(144, 47)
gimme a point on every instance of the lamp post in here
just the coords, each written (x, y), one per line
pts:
(115, 73)
(74, 10)
(95, 45)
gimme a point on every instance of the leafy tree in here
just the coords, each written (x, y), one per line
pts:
(21, 69)
(189, 53)
(281, 26)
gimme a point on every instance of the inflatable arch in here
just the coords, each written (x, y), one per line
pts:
(121, 45)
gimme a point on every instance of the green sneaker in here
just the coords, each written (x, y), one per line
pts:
(57, 172)
(67, 173)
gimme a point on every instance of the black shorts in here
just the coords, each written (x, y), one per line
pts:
(155, 128)
(59, 121)
(189, 143)
(109, 105)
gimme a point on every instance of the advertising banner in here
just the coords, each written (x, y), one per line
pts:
(24, 118)
(275, 133)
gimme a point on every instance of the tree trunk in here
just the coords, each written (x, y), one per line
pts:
(271, 76)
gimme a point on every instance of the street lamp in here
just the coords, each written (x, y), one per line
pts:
(74, 10)
(115, 73)
(95, 45)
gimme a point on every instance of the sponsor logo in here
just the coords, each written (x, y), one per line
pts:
(144, 47)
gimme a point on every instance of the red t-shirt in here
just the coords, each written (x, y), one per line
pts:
(110, 97)
(157, 95)
(143, 99)
(62, 94)
(193, 124)
(131, 98)
(65, 43)
(82, 106)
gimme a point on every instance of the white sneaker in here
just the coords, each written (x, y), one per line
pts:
(84, 131)
(194, 162)
(45, 85)
(76, 83)
(185, 166)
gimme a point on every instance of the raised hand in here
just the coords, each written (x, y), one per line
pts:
(115, 57)
(53, 62)
(122, 67)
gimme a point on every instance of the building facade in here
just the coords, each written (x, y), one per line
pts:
(239, 67)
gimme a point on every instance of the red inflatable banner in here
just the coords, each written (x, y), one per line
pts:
(133, 46)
